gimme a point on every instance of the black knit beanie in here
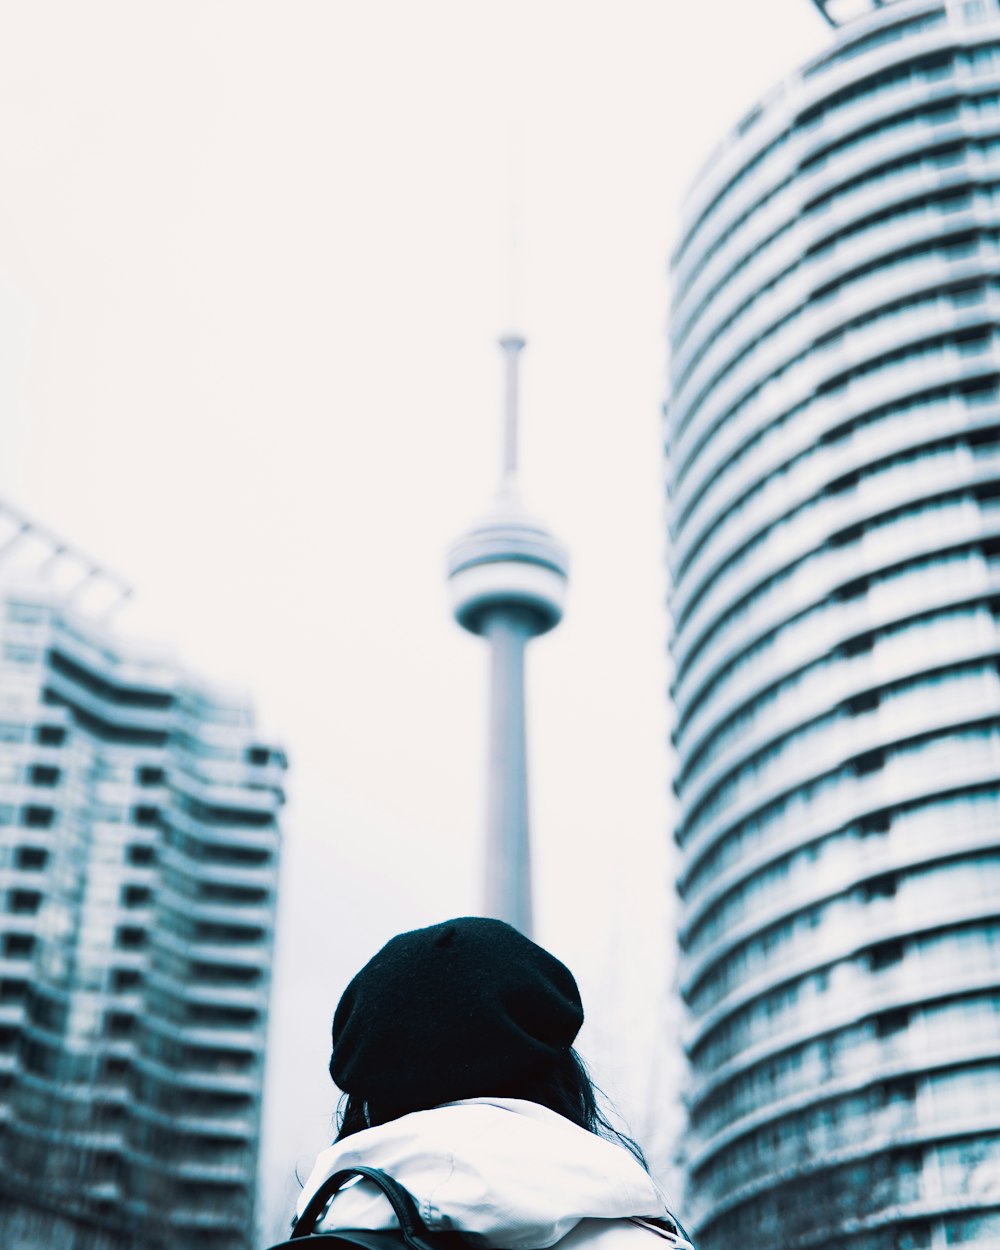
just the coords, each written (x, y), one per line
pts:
(464, 1009)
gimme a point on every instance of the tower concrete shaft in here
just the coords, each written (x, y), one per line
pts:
(507, 887)
(508, 580)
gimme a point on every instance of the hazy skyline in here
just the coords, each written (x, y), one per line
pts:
(254, 260)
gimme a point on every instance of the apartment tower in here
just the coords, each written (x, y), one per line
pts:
(834, 481)
(138, 864)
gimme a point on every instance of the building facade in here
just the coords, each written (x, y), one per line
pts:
(138, 863)
(834, 480)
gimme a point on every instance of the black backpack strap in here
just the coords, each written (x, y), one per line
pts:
(667, 1226)
(415, 1232)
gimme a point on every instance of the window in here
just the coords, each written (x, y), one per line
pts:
(211, 892)
(13, 992)
(243, 855)
(862, 703)
(885, 955)
(202, 1016)
(130, 938)
(891, 1022)
(124, 980)
(875, 824)
(226, 974)
(38, 817)
(222, 934)
(879, 887)
(43, 775)
(30, 858)
(119, 1024)
(18, 945)
(869, 762)
(136, 895)
(24, 902)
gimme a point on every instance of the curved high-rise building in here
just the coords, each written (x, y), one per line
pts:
(834, 478)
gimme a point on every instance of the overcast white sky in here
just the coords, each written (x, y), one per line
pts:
(254, 258)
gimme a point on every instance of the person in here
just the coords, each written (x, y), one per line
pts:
(453, 1047)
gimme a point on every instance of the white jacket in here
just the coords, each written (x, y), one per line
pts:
(516, 1173)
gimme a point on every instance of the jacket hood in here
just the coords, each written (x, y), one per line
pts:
(514, 1172)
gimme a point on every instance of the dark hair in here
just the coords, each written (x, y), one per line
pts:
(565, 1086)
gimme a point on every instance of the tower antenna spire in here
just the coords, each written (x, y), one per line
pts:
(512, 345)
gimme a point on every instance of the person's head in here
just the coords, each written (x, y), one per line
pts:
(465, 1009)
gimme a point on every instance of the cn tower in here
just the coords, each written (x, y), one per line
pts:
(508, 582)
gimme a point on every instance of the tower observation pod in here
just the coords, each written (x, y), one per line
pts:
(507, 575)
